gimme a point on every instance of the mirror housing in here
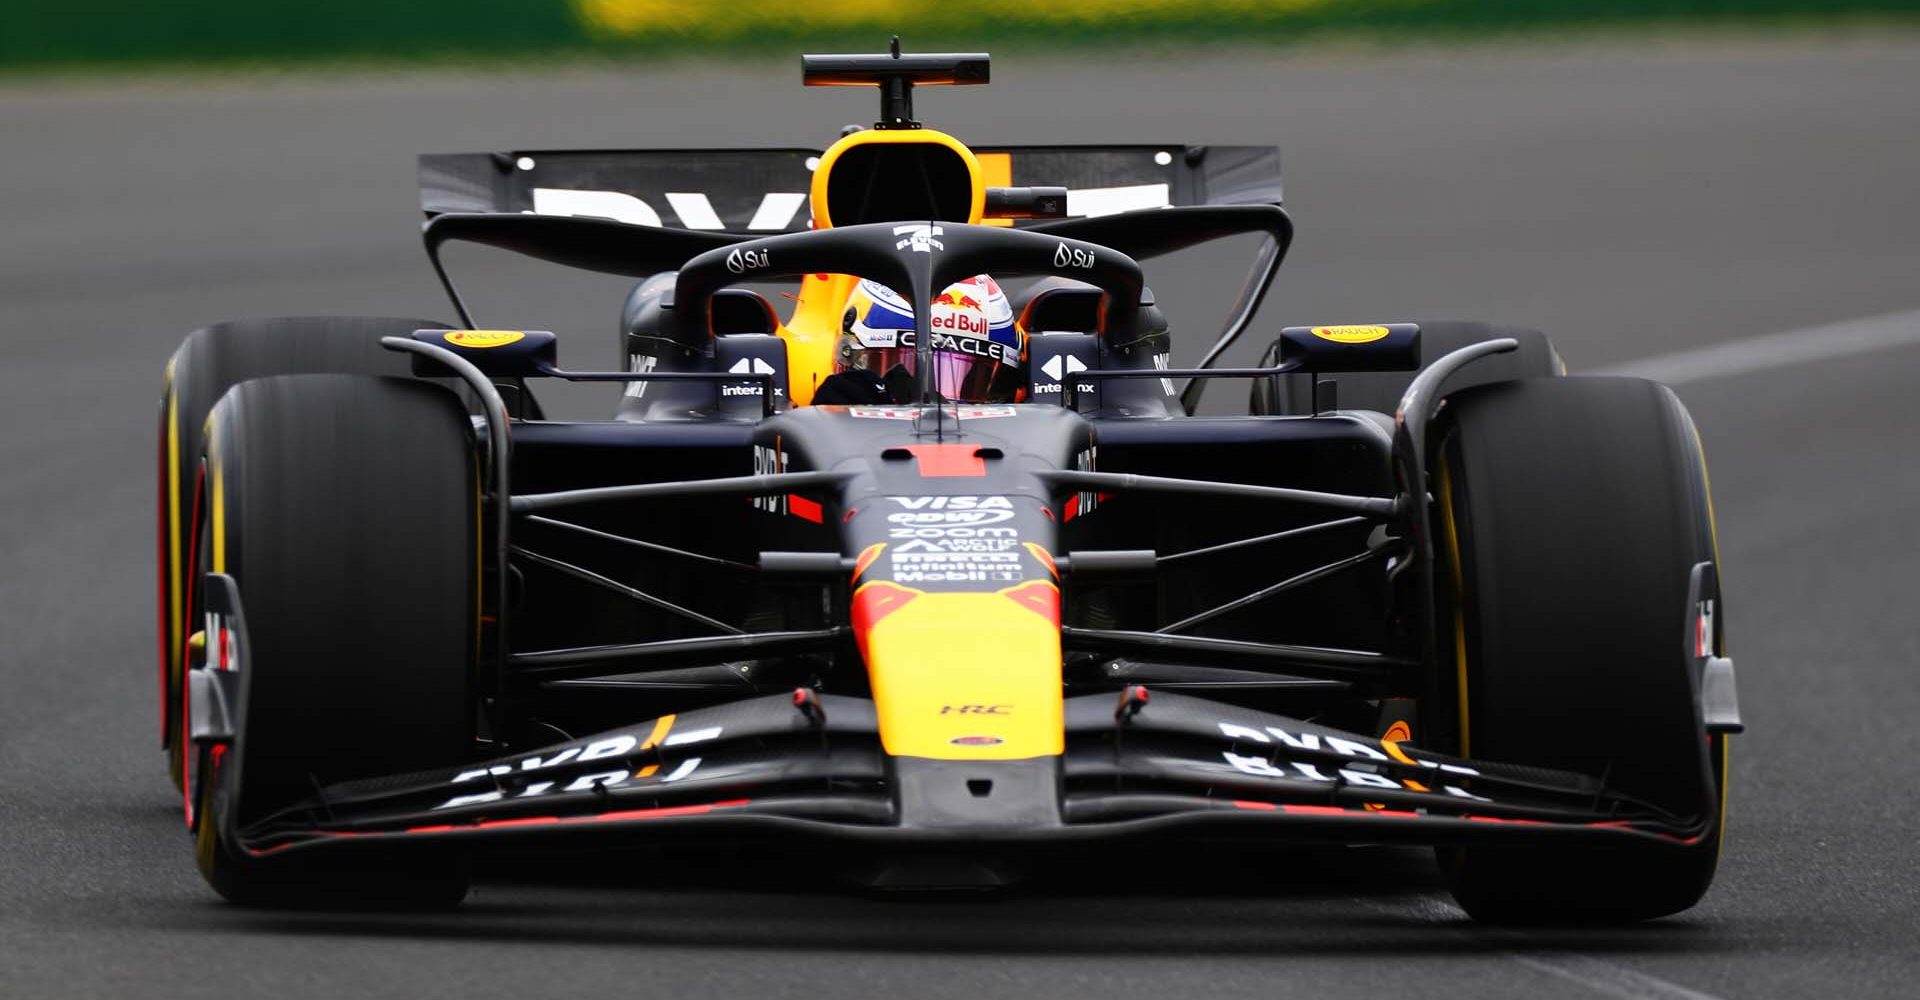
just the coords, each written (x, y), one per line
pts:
(506, 353)
(1391, 347)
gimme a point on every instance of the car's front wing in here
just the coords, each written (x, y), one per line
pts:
(1135, 766)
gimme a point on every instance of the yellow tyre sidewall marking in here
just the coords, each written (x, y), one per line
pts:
(174, 584)
(1713, 531)
(1459, 600)
(217, 494)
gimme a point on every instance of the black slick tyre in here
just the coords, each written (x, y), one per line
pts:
(1381, 391)
(1572, 513)
(210, 361)
(344, 507)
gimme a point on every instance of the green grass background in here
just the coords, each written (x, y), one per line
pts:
(39, 34)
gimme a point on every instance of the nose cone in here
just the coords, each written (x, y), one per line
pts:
(964, 676)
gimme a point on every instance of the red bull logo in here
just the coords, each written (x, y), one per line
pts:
(959, 320)
(957, 299)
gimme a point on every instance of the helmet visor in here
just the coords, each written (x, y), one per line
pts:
(963, 367)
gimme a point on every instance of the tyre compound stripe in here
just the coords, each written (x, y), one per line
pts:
(171, 635)
(1459, 606)
(479, 560)
(1721, 741)
(1809, 345)
(217, 503)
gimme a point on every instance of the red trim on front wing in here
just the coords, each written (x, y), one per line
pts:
(1307, 815)
(1250, 805)
(1321, 811)
(660, 812)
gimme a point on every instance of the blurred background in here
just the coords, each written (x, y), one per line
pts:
(1626, 174)
(37, 33)
(1639, 178)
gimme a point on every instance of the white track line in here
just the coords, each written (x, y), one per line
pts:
(1603, 977)
(1778, 350)
(1607, 978)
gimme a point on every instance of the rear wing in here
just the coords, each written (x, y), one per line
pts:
(764, 191)
(634, 211)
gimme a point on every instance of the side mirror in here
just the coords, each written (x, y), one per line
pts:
(1394, 347)
(508, 353)
(1026, 203)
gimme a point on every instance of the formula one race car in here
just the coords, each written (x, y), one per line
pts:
(928, 568)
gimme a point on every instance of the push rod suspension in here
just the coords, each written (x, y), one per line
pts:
(608, 583)
(779, 482)
(654, 547)
(1309, 529)
(600, 661)
(1297, 580)
(1304, 661)
(1374, 508)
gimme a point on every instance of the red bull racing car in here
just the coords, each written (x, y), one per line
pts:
(935, 564)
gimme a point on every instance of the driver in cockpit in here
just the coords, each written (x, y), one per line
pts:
(979, 354)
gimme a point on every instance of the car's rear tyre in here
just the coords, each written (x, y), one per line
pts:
(209, 362)
(345, 508)
(1572, 513)
(1381, 391)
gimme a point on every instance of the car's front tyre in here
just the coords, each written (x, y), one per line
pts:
(1573, 512)
(345, 508)
(207, 363)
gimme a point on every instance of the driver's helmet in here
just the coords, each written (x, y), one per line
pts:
(979, 353)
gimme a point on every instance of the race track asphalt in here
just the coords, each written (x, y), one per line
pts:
(1634, 200)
